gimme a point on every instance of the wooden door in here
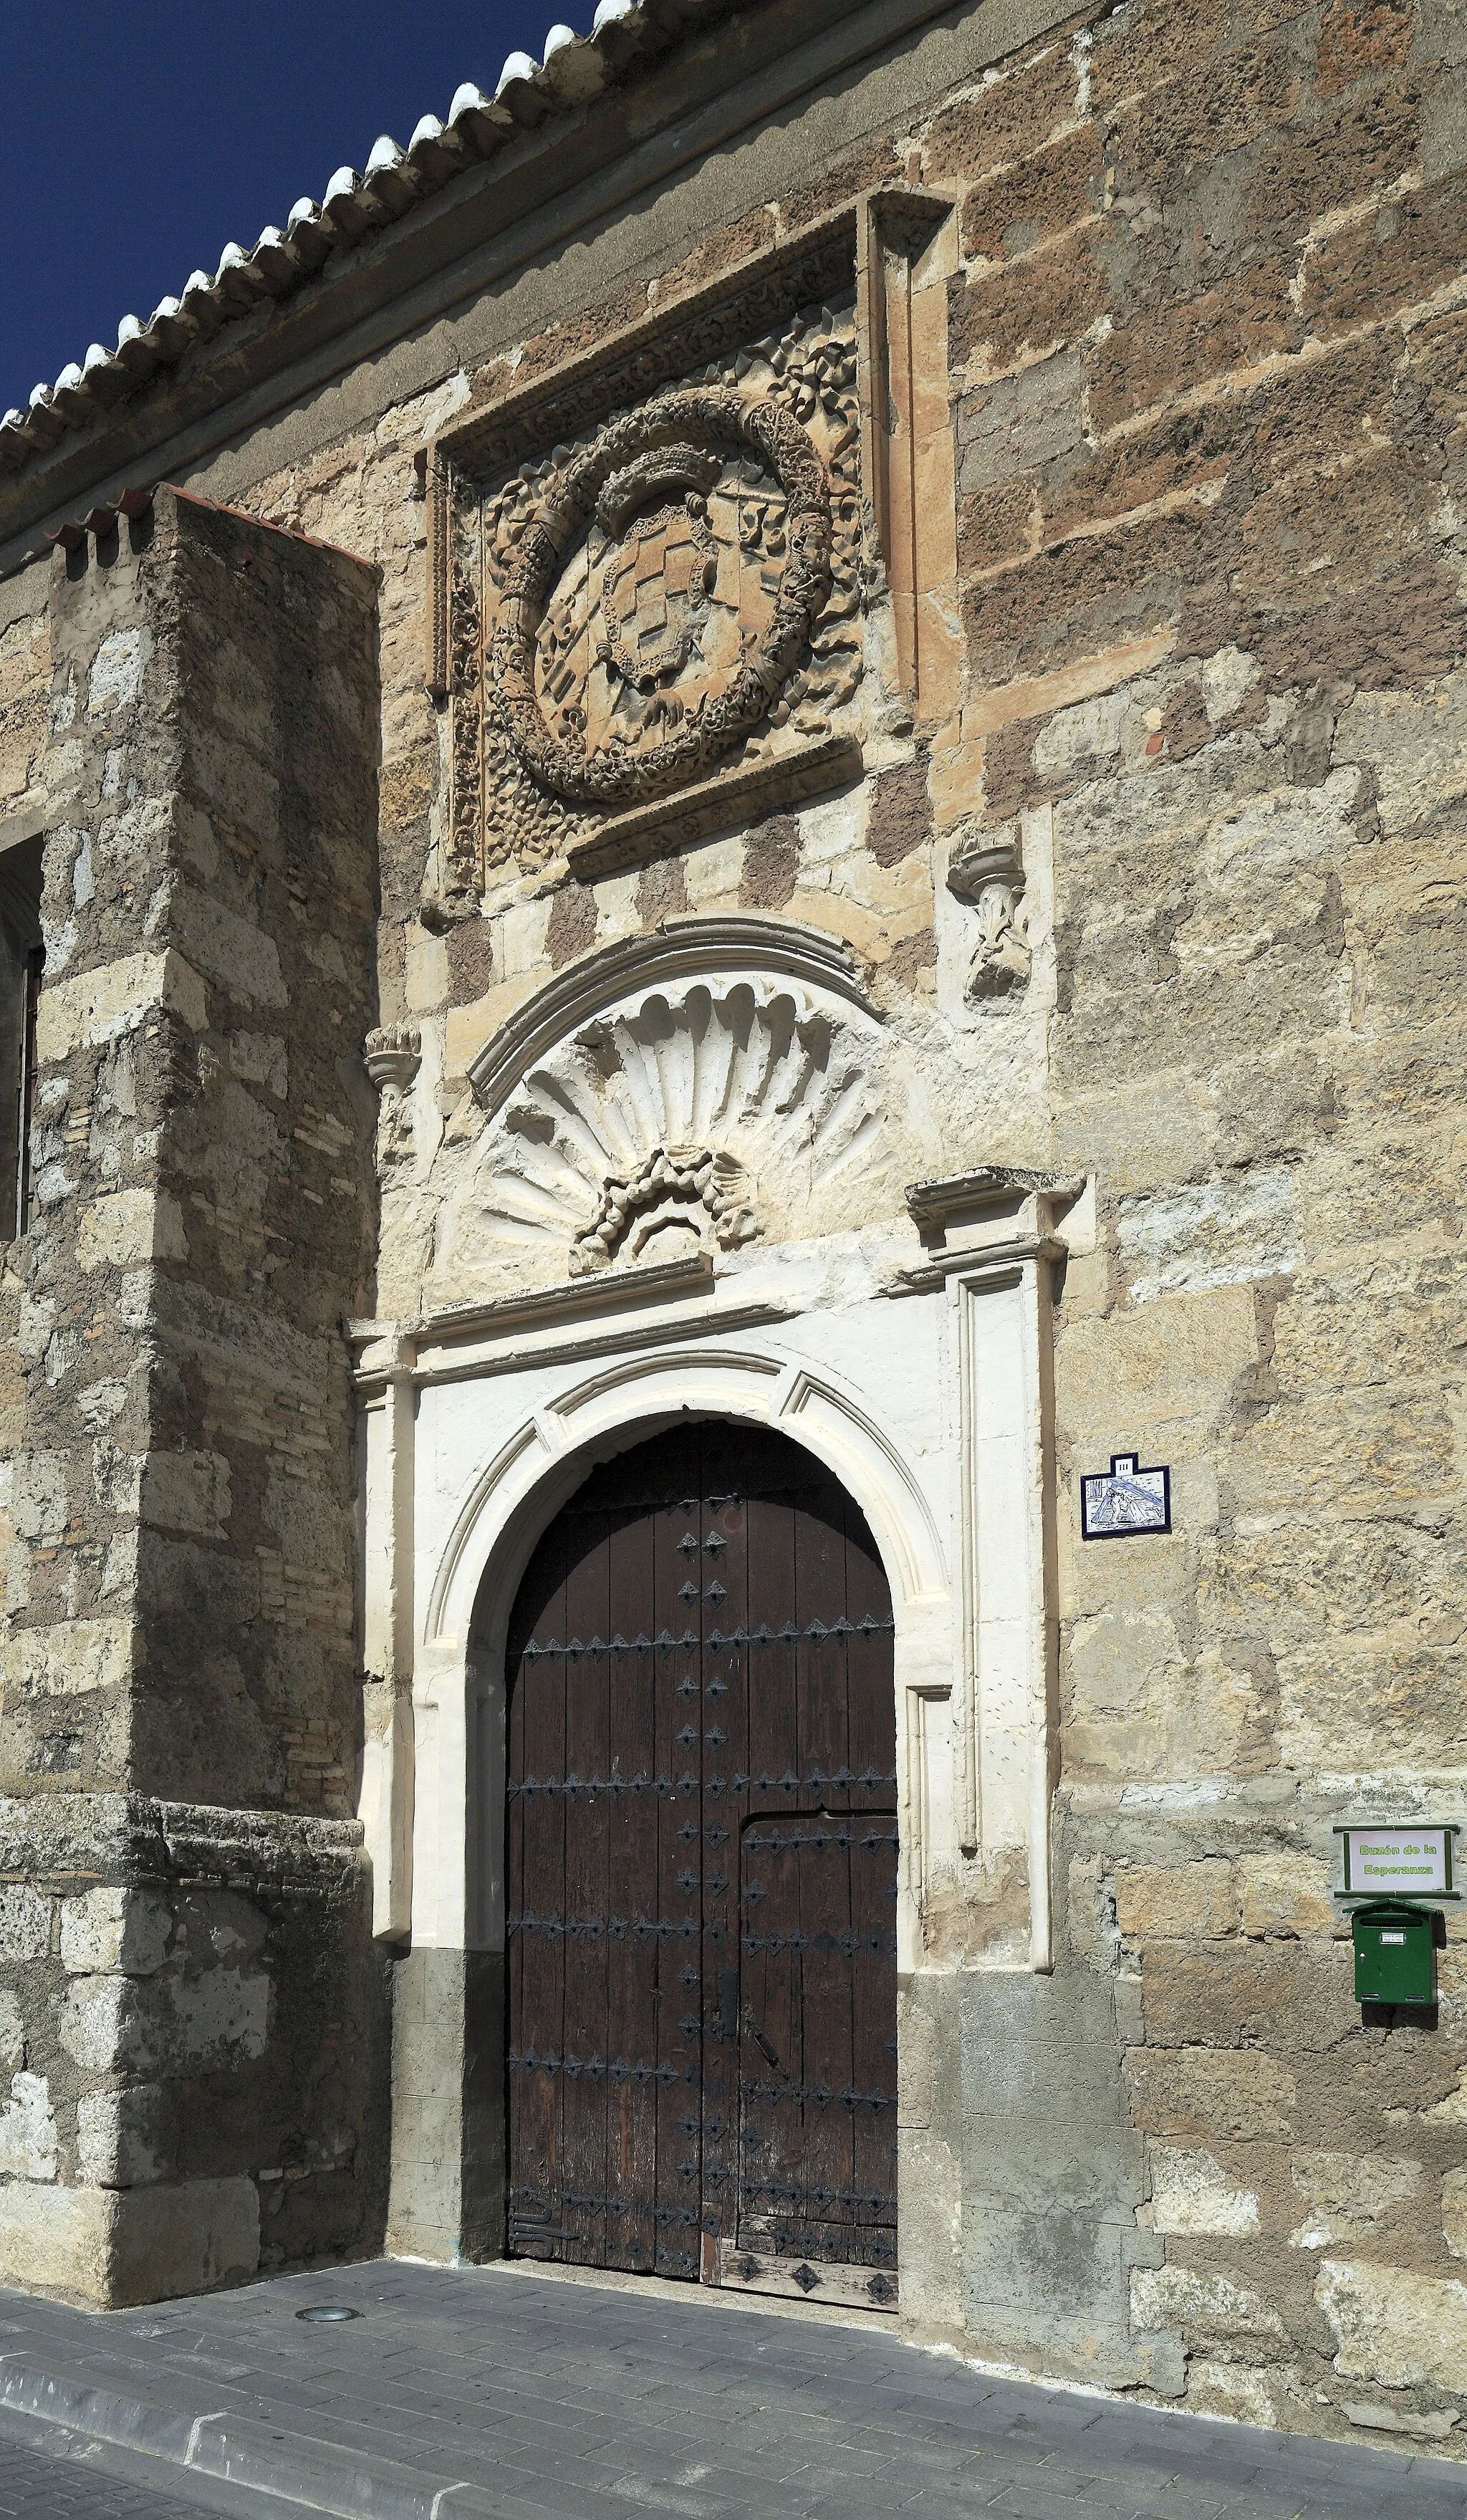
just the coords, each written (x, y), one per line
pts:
(701, 1876)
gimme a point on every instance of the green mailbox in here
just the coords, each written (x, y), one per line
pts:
(1395, 1954)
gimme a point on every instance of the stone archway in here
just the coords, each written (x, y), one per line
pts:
(537, 1448)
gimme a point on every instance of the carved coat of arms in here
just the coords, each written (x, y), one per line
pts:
(673, 592)
(640, 635)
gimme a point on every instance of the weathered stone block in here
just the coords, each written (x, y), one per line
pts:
(110, 2247)
(1250, 1996)
(12, 2030)
(27, 2129)
(1004, 118)
(24, 1925)
(221, 2016)
(1237, 2390)
(1349, 2193)
(1177, 1902)
(1015, 422)
(124, 2138)
(1191, 2193)
(1286, 1894)
(106, 2027)
(39, 1494)
(1206, 2307)
(129, 1227)
(124, 1930)
(186, 1491)
(1212, 2093)
(1395, 2326)
(1375, 266)
(58, 2239)
(70, 1660)
(1182, 1241)
(101, 1006)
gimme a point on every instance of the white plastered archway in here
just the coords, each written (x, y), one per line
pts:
(469, 1590)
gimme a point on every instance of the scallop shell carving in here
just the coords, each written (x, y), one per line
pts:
(763, 1075)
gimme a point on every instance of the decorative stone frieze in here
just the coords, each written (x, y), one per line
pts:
(733, 944)
(724, 1079)
(757, 1081)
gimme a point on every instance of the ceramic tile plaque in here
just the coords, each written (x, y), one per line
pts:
(1125, 1502)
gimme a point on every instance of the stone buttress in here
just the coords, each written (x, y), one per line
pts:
(189, 2002)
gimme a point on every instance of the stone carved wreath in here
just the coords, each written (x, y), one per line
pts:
(629, 472)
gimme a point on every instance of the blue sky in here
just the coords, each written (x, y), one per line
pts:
(139, 137)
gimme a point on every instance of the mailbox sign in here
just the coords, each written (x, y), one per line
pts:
(1394, 1863)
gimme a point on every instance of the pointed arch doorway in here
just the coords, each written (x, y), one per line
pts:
(701, 1876)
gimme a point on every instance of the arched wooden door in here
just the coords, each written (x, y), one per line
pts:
(701, 1876)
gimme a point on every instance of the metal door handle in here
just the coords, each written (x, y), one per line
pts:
(762, 2044)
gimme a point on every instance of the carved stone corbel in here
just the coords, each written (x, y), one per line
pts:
(991, 879)
(392, 1054)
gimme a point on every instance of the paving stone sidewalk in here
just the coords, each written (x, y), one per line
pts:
(37, 2485)
(488, 2394)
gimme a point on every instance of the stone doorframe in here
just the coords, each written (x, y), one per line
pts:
(925, 1393)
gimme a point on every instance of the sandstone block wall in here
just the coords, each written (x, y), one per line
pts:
(1203, 372)
(180, 1610)
(1236, 444)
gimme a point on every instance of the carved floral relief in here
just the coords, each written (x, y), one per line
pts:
(392, 1054)
(678, 1199)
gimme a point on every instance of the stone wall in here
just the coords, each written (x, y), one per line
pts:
(1230, 457)
(1202, 321)
(1201, 353)
(24, 687)
(180, 1643)
(191, 2020)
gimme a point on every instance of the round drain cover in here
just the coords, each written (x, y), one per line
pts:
(327, 2312)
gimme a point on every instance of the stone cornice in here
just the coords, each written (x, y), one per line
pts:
(997, 1217)
(933, 1204)
(587, 1318)
(540, 1308)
